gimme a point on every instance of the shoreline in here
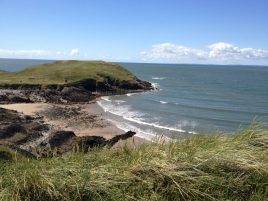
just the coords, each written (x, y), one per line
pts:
(83, 119)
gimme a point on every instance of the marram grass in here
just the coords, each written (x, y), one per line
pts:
(214, 167)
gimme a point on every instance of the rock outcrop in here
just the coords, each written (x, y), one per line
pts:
(19, 129)
(78, 92)
(31, 137)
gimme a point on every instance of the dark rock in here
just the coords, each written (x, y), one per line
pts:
(17, 99)
(15, 128)
(10, 130)
(86, 143)
(117, 138)
(18, 129)
(23, 152)
(60, 137)
(76, 92)
(64, 141)
(86, 84)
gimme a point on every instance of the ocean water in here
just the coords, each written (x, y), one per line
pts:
(13, 65)
(191, 99)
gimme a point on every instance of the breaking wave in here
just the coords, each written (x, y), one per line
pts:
(163, 102)
(133, 120)
(158, 78)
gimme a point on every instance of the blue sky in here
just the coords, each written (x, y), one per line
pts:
(170, 31)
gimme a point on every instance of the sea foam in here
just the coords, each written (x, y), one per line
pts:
(158, 78)
(125, 112)
(163, 102)
(155, 85)
(106, 98)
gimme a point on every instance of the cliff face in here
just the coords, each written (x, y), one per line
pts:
(90, 85)
(82, 91)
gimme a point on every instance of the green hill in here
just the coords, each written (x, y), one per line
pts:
(217, 167)
(62, 72)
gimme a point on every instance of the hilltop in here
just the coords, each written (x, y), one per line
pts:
(62, 72)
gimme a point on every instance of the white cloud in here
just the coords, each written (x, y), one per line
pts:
(7, 53)
(218, 52)
(226, 51)
(172, 51)
(74, 52)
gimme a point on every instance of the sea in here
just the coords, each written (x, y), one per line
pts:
(188, 99)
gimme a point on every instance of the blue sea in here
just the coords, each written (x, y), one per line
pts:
(190, 99)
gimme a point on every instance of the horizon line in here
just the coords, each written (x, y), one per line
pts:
(137, 62)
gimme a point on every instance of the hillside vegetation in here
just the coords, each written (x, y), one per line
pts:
(215, 167)
(62, 72)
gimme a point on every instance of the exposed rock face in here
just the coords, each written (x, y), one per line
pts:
(7, 96)
(20, 129)
(59, 138)
(78, 92)
(74, 117)
(31, 137)
(66, 95)
(61, 142)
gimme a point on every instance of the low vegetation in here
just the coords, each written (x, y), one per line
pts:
(214, 167)
(62, 72)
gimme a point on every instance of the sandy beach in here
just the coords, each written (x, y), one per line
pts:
(83, 119)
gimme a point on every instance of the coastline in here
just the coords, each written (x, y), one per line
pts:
(85, 119)
(60, 114)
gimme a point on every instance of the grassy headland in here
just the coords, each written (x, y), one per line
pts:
(69, 81)
(62, 72)
(214, 167)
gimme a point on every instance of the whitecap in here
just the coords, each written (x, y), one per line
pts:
(141, 133)
(119, 101)
(106, 98)
(158, 78)
(156, 125)
(131, 94)
(186, 123)
(163, 102)
(156, 86)
(137, 117)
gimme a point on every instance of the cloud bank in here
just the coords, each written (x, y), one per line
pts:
(6, 53)
(215, 53)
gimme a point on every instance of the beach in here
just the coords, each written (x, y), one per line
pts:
(83, 119)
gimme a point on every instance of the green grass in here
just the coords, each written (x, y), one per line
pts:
(70, 71)
(7, 155)
(214, 167)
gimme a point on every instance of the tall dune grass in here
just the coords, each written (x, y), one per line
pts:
(214, 167)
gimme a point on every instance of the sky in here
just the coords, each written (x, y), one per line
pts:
(158, 31)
